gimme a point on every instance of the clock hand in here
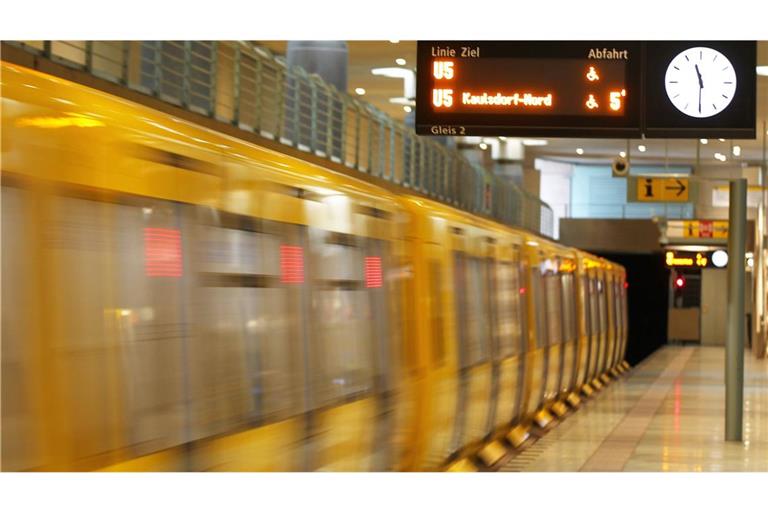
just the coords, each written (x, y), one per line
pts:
(699, 100)
(701, 82)
(701, 85)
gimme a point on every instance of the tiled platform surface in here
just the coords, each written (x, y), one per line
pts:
(667, 415)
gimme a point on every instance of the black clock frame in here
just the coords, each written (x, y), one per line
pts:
(736, 121)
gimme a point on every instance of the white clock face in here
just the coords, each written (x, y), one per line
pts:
(700, 82)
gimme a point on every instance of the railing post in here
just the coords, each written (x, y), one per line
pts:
(392, 154)
(259, 92)
(312, 115)
(370, 142)
(343, 130)
(296, 96)
(358, 115)
(126, 63)
(89, 56)
(330, 119)
(158, 68)
(214, 79)
(185, 74)
(236, 86)
(282, 99)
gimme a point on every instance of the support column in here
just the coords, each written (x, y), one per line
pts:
(734, 347)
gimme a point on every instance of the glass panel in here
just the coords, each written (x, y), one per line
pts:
(471, 309)
(554, 309)
(539, 301)
(436, 292)
(569, 313)
(478, 321)
(508, 302)
(594, 324)
(603, 304)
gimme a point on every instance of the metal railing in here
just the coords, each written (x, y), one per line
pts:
(246, 86)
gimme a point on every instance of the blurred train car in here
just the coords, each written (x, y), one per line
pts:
(175, 299)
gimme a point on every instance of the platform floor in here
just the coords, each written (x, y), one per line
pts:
(668, 414)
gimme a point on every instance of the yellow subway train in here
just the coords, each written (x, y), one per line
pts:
(175, 299)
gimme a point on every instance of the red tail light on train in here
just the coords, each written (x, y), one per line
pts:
(162, 252)
(373, 277)
(291, 264)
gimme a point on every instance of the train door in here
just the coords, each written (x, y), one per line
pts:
(583, 339)
(471, 276)
(570, 359)
(610, 309)
(350, 352)
(553, 295)
(602, 289)
(494, 288)
(251, 406)
(441, 395)
(593, 325)
(625, 319)
(510, 322)
(537, 361)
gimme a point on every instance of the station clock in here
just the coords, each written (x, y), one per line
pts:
(700, 82)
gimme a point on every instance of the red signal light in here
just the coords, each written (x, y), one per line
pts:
(626, 284)
(522, 291)
(679, 282)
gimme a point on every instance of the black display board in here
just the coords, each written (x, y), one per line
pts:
(605, 89)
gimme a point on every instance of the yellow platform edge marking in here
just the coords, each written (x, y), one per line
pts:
(573, 400)
(543, 418)
(560, 409)
(462, 466)
(492, 453)
(518, 435)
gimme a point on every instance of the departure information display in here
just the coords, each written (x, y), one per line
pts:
(528, 88)
(619, 89)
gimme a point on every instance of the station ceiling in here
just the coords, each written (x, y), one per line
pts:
(366, 55)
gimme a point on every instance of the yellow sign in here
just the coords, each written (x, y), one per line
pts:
(674, 260)
(662, 190)
(697, 229)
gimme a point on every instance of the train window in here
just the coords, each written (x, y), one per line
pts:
(569, 302)
(603, 305)
(586, 309)
(617, 308)
(522, 303)
(554, 308)
(472, 308)
(540, 302)
(594, 321)
(436, 312)
(625, 311)
(507, 307)
(343, 320)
